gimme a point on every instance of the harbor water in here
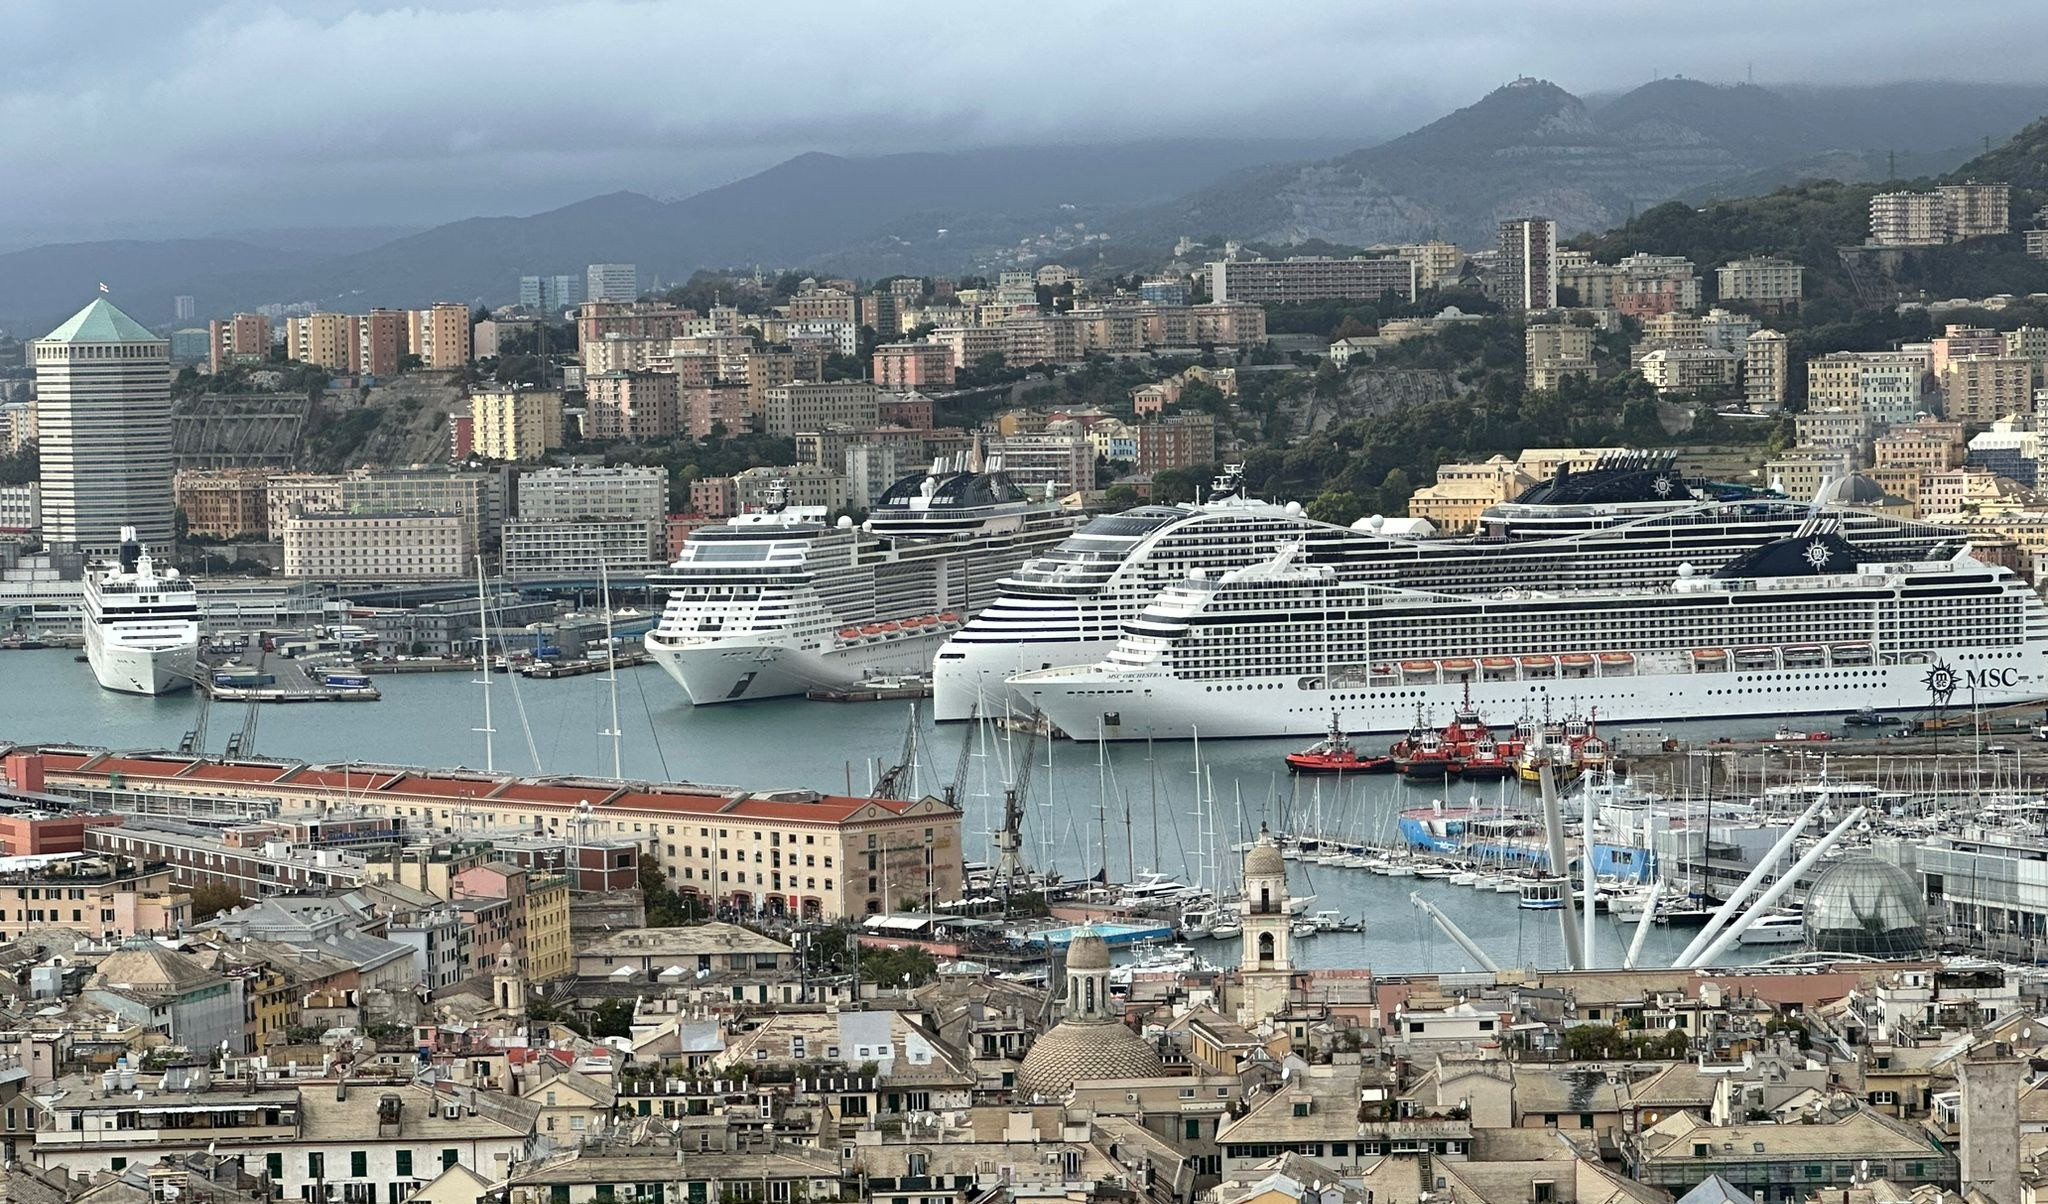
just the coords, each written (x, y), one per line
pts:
(1124, 808)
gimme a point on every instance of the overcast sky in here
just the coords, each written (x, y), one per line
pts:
(141, 117)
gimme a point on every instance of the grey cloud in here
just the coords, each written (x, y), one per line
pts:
(147, 117)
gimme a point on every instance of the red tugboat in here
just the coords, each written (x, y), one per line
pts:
(1422, 755)
(1484, 761)
(1334, 753)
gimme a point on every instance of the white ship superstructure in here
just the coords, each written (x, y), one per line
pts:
(783, 600)
(1801, 625)
(1629, 521)
(141, 623)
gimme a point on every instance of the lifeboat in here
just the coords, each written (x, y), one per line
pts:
(849, 633)
(1497, 662)
(872, 629)
(1851, 654)
(949, 617)
(1710, 654)
(1537, 662)
(1617, 660)
(1803, 654)
(1383, 670)
(1458, 665)
(1418, 668)
(890, 627)
(1756, 658)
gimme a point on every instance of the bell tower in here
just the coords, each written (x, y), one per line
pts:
(508, 981)
(1266, 967)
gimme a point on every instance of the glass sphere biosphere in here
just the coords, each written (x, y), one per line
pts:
(1863, 905)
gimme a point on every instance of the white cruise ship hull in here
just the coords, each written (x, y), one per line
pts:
(974, 679)
(739, 670)
(138, 668)
(1083, 700)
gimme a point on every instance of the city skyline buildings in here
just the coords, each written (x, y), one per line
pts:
(103, 411)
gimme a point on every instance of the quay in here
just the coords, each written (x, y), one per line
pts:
(879, 689)
(417, 664)
(581, 666)
(283, 679)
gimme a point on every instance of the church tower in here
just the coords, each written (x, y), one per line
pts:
(1088, 977)
(508, 981)
(1266, 968)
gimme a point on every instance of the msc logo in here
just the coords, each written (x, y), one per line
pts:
(1991, 679)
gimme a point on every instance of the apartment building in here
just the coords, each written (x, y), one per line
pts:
(439, 335)
(1437, 263)
(1929, 443)
(1767, 282)
(1909, 219)
(1035, 461)
(611, 282)
(631, 405)
(1464, 492)
(242, 339)
(223, 504)
(515, 424)
(1799, 472)
(807, 485)
(108, 897)
(811, 405)
(1840, 428)
(1526, 268)
(1655, 284)
(824, 305)
(1766, 371)
(381, 341)
(1980, 389)
(900, 367)
(714, 497)
(1314, 278)
(1977, 210)
(564, 494)
(1701, 370)
(284, 493)
(581, 549)
(710, 410)
(17, 425)
(1553, 341)
(21, 508)
(380, 546)
(328, 340)
(1182, 441)
(551, 295)
(1886, 385)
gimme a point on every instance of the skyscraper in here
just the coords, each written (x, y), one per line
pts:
(611, 282)
(103, 405)
(186, 307)
(1528, 264)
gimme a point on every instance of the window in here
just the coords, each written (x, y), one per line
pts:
(1193, 1129)
(449, 1158)
(273, 1165)
(404, 1158)
(119, 1164)
(316, 1166)
(359, 1164)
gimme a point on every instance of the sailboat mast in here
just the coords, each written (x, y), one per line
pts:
(611, 656)
(483, 660)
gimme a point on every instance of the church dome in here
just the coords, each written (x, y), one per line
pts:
(1088, 951)
(1264, 861)
(1083, 1051)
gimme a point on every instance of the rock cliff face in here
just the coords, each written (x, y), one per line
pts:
(1527, 148)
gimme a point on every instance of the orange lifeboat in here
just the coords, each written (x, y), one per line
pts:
(1575, 659)
(872, 629)
(1497, 662)
(949, 617)
(1710, 654)
(849, 633)
(1458, 665)
(1536, 662)
(1418, 666)
(1617, 658)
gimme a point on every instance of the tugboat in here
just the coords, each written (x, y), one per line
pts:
(1483, 761)
(1335, 753)
(1422, 756)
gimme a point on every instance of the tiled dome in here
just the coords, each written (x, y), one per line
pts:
(1264, 861)
(1082, 1051)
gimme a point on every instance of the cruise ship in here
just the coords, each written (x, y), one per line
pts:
(1801, 625)
(1628, 521)
(141, 624)
(782, 601)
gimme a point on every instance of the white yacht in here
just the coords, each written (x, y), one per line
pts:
(141, 623)
(1629, 521)
(1789, 628)
(1781, 928)
(782, 600)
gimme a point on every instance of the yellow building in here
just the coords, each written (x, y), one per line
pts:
(440, 335)
(1463, 492)
(328, 340)
(515, 424)
(547, 928)
(1982, 389)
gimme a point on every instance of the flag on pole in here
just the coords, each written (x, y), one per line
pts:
(104, 288)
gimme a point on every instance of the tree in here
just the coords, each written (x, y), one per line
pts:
(613, 1018)
(1339, 506)
(209, 899)
(897, 967)
(1120, 497)
(1395, 492)
(1173, 485)
(665, 908)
